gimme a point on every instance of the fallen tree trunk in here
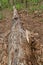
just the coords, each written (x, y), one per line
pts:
(24, 49)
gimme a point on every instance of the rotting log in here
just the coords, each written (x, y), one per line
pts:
(19, 46)
(24, 48)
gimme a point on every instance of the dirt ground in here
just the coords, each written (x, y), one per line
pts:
(32, 22)
(5, 26)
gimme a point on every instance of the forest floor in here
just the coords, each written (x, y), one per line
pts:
(31, 21)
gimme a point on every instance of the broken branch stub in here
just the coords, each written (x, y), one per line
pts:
(15, 14)
(30, 34)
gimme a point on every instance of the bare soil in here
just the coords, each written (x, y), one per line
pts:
(5, 26)
(33, 22)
